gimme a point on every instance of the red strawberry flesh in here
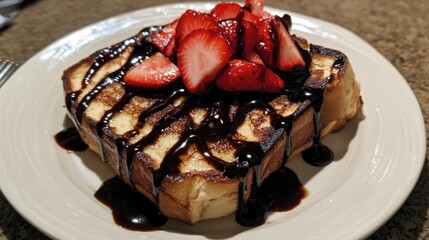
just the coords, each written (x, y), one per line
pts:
(163, 37)
(241, 36)
(240, 75)
(203, 45)
(272, 82)
(254, 57)
(248, 16)
(249, 38)
(230, 32)
(154, 72)
(255, 6)
(265, 45)
(225, 10)
(200, 57)
(192, 20)
(288, 55)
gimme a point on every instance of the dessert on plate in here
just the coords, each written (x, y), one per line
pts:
(197, 114)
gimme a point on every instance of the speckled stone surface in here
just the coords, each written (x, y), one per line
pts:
(397, 29)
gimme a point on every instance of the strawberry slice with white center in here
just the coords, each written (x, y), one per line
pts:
(192, 20)
(241, 75)
(164, 38)
(200, 57)
(225, 10)
(288, 55)
(154, 72)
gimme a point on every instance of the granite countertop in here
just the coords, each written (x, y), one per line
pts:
(396, 28)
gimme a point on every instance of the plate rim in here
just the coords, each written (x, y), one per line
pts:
(55, 44)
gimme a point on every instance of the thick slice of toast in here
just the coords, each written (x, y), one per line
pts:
(187, 153)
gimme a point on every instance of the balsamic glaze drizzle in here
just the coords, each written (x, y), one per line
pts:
(217, 125)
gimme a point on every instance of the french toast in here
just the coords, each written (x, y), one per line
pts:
(199, 155)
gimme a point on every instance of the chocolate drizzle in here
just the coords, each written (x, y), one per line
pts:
(218, 124)
(130, 209)
(69, 139)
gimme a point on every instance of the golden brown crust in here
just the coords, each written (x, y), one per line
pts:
(200, 191)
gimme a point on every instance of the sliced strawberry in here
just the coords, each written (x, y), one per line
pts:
(163, 37)
(249, 38)
(240, 75)
(154, 72)
(255, 58)
(193, 20)
(241, 36)
(230, 32)
(288, 55)
(200, 57)
(265, 45)
(225, 10)
(287, 21)
(248, 16)
(256, 7)
(266, 15)
(272, 82)
(169, 49)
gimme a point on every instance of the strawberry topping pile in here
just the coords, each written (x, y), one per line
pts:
(234, 48)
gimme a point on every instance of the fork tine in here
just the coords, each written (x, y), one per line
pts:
(7, 68)
(2, 65)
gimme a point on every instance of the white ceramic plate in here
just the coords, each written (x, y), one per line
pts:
(379, 155)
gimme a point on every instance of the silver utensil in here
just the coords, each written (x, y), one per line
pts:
(8, 10)
(7, 68)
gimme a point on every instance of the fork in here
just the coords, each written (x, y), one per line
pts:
(6, 69)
